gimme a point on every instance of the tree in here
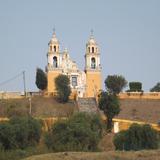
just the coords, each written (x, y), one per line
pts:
(135, 87)
(19, 132)
(62, 83)
(115, 83)
(137, 137)
(156, 88)
(109, 103)
(41, 79)
(81, 132)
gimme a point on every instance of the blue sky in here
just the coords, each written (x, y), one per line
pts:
(127, 31)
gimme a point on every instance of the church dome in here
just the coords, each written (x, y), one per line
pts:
(91, 41)
(54, 39)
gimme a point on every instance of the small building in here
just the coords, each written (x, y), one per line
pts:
(83, 83)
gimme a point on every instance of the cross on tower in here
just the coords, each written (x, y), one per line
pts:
(54, 30)
(91, 32)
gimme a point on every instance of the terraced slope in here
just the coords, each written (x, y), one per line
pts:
(41, 107)
(146, 110)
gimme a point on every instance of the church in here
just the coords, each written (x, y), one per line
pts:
(83, 83)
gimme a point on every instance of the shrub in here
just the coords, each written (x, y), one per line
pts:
(62, 83)
(109, 104)
(156, 88)
(135, 86)
(115, 83)
(119, 140)
(19, 133)
(137, 137)
(41, 79)
(81, 132)
(7, 136)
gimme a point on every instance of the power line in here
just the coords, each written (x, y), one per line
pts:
(11, 79)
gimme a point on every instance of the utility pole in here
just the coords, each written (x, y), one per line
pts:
(24, 83)
(30, 105)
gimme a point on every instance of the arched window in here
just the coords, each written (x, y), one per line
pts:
(55, 62)
(50, 48)
(93, 63)
(89, 49)
(54, 48)
(92, 49)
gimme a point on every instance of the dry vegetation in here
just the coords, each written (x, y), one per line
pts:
(106, 143)
(132, 109)
(41, 107)
(145, 110)
(111, 155)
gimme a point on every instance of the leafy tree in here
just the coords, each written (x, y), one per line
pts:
(156, 88)
(82, 132)
(137, 137)
(109, 103)
(62, 83)
(135, 87)
(41, 79)
(19, 133)
(115, 83)
(119, 140)
(7, 136)
(31, 130)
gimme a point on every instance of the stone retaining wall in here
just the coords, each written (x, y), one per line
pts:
(139, 95)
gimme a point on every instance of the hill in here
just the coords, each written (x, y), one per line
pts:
(145, 110)
(111, 155)
(41, 107)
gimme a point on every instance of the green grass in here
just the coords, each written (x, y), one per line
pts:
(19, 153)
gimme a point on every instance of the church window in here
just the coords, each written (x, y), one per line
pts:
(74, 81)
(55, 62)
(93, 63)
(92, 49)
(89, 49)
(54, 48)
(50, 48)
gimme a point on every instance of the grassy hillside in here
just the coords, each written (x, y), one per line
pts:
(111, 155)
(145, 110)
(41, 107)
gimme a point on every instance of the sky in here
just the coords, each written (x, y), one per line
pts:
(127, 31)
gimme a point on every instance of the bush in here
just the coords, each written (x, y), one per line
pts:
(41, 79)
(137, 137)
(7, 136)
(31, 131)
(119, 140)
(63, 89)
(115, 83)
(19, 133)
(156, 88)
(109, 104)
(81, 132)
(135, 86)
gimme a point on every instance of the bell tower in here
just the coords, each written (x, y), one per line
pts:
(53, 55)
(54, 61)
(92, 68)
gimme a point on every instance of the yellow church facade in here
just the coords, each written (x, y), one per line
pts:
(83, 83)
